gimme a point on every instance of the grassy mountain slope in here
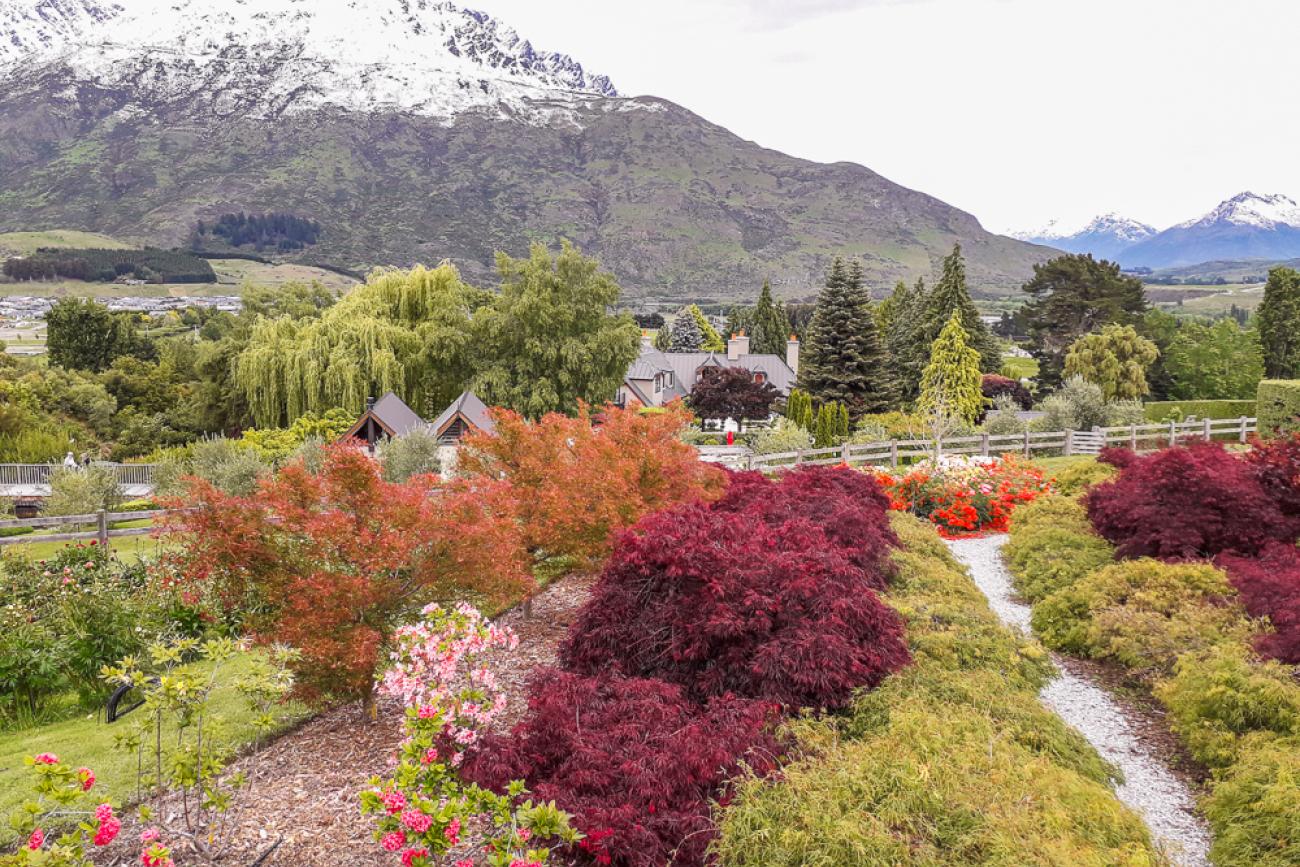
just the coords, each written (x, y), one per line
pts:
(675, 206)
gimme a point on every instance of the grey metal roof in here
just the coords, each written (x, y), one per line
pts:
(394, 415)
(684, 364)
(471, 408)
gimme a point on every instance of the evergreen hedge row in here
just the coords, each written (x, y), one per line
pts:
(1278, 405)
(1164, 410)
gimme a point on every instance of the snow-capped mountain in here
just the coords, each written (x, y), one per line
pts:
(1105, 237)
(269, 57)
(1247, 226)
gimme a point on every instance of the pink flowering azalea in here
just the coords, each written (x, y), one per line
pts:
(87, 778)
(37, 840)
(103, 812)
(393, 841)
(394, 802)
(409, 856)
(149, 835)
(416, 821)
(452, 831)
(46, 759)
(107, 831)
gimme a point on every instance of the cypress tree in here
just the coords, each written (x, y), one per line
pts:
(710, 339)
(950, 384)
(949, 294)
(843, 359)
(770, 327)
(798, 408)
(1279, 324)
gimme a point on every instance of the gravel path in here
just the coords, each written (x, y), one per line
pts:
(1151, 789)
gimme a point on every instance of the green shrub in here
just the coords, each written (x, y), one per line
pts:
(1254, 808)
(1056, 510)
(413, 454)
(1224, 699)
(783, 436)
(229, 466)
(1043, 561)
(885, 426)
(1180, 410)
(1278, 405)
(1081, 475)
(83, 490)
(1143, 614)
(1004, 417)
(952, 761)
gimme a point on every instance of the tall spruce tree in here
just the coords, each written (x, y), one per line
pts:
(769, 326)
(843, 359)
(904, 340)
(684, 335)
(949, 294)
(1279, 324)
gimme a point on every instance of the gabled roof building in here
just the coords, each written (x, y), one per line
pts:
(390, 418)
(656, 378)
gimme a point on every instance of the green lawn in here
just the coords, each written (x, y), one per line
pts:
(87, 741)
(1020, 368)
(129, 549)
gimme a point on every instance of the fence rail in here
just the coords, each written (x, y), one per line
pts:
(1139, 437)
(102, 532)
(33, 475)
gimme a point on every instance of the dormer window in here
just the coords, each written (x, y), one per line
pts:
(760, 377)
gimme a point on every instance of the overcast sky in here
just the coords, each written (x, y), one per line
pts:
(1018, 111)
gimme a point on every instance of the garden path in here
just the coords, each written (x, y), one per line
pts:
(1151, 788)
(304, 784)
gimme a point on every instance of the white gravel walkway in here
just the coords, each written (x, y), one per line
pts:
(1150, 788)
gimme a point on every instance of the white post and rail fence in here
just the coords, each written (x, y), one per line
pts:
(893, 453)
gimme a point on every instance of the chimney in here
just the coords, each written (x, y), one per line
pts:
(370, 404)
(792, 353)
(737, 346)
(646, 340)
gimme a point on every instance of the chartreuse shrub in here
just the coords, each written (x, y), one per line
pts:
(952, 761)
(1052, 546)
(1143, 614)
(1255, 808)
(1082, 475)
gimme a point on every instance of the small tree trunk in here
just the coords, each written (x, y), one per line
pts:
(370, 703)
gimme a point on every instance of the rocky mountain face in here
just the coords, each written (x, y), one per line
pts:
(1247, 226)
(415, 131)
(1105, 237)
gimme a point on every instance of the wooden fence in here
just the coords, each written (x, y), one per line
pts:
(101, 520)
(1139, 437)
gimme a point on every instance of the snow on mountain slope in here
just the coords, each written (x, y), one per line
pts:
(1104, 236)
(1249, 209)
(268, 57)
(1247, 226)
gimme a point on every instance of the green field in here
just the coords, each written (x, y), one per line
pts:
(1208, 299)
(231, 274)
(1020, 368)
(25, 243)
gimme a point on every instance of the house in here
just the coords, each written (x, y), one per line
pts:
(656, 378)
(390, 418)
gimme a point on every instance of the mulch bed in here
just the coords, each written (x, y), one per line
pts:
(302, 789)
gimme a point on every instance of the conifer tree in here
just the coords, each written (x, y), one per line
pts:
(950, 384)
(906, 315)
(1279, 324)
(770, 327)
(824, 428)
(949, 294)
(798, 408)
(843, 359)
(710, 339)
(684, 335)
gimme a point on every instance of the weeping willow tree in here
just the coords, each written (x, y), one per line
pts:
(403, 331)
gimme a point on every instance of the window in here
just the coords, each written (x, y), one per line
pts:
(760, 376)
(659, 383)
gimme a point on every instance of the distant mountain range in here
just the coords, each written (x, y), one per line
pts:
(414, 130)
(1245, 227)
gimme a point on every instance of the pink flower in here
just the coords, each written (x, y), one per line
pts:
(87, 778)
(428, 711)
(37, 840)
(149, 835)
(104, 812)
(409, 856)
(393, 841)
(46, 759)
(416, 821)
(452, 831)
(108, 830)
(393, 802)
(524, 834)
(430, 756)
(90, 565)
(465, 862)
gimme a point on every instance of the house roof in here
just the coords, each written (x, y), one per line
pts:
(392, 414)
(684, 364)
(470, 408)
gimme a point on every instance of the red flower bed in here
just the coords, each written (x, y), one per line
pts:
(1270, 587)
(965, 495)
(1186, 503)
(633, 759)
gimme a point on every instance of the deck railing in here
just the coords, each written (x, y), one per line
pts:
(32, 475)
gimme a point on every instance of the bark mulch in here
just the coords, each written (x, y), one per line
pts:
(302, 789)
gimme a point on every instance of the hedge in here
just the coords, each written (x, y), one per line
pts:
(1164, 410)
(952, 761)
(1278, 405)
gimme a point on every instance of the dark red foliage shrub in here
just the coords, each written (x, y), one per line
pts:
(633, 760)
(1117, 456)
(724, 602)
(993, 385)
(849, 506)
(1277, 466)
(1185, 503)
(1270, 587)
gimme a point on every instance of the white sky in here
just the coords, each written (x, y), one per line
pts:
(1019, 111)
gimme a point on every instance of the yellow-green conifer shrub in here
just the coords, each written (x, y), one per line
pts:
(952, 761)
(1054, 510)
(1082, 475)
(1045, 559)
(1143, 614)
(1255, 807)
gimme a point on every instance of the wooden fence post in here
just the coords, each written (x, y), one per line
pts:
(1173, 432)
(844, 452)
(101, 518)
(1069, 443)
(893, 453)
(984, 445)
(1028, 451)
(1205, 428)
(798, 457)
(1133, 437)
(1241, 436)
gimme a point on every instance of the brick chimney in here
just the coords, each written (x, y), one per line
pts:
(737, 346)
(792, 353)
(646, 340)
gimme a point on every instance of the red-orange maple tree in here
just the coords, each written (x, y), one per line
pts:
(331, 562)
(579, 480)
